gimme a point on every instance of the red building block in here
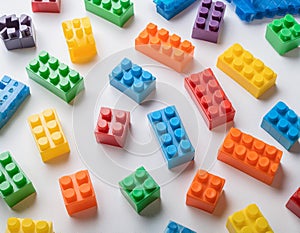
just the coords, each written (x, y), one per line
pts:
(205, 191)
(78, 192)
(112, 127)
(294, 203)
(250, 155)
(208, 95)
(51, 6)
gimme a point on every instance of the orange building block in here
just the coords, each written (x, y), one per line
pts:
(80, 39)
(78, 192)
(164, 48)
(205, 191)
(250, 155)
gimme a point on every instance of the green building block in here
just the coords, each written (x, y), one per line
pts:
(55, 76)
(115, 11)
(14, 184)
(139, 189)
(283, 34)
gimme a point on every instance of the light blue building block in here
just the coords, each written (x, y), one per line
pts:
(283, 124)
(174, 227)
(132, 80)
(12, 95)
(169, 8)
(172, 137)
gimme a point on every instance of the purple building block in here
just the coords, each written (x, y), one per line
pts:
(209, 21)
(17, 33)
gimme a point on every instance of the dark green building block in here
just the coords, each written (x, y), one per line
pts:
(14, 184)
(115, 11)
(140, 189)
(283, 34)
(55, 76)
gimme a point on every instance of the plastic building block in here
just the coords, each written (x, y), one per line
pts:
(172, 137)
(27, 225)
(115, 11)
(283, 124)
(14, 184)
(50, 6)
(174, 227)
(249, 220)
(78, 192)
(140, 189)
(209, 21)
(205, 191)
(80, 39)
(132, 80)
(249, 10)
(17, 33)
(250, 155)
(112, 127)
(284, 34)
(208, 95)
(250, 72)
(294, 203)
(55, 76)
(48, 134)
(12, 95)
(166, 49)
(169, 8)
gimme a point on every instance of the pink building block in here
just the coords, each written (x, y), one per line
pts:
(50, 6)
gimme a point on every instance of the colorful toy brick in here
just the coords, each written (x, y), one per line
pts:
(249, 219)
(209, 97)
(205, 191)
(250, 155)
(78, 192)
(283, 124)
(249, 10)
(166, 49)
(17, 33)
(48, 134)
(12, 95)
(294, 203)
(170, 8)
(50, 6)
(14, 184)
(140, 189)
(174, 227)
(27, 225)
(55, 76)
(112, 126)
(172, 137)
(284, 34)
(115, 11)
(80, 39)
(209, 21)
(251, 73)
(132, 80)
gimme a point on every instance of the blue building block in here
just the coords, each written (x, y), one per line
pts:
(249, 10)
(172, 137)
(283, 124)
(174, 227)
(12, 94)
(132, 80)
(169, 8)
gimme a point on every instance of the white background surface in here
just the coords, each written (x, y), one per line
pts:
(109, 165)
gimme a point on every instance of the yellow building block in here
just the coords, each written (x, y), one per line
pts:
(250, 72)
(27, 225)
(48, 134)
(248, 220)
(80, 39)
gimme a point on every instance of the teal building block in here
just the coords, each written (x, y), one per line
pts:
(140, 189)
(55, 76)
(115, 11)
(14, 184)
